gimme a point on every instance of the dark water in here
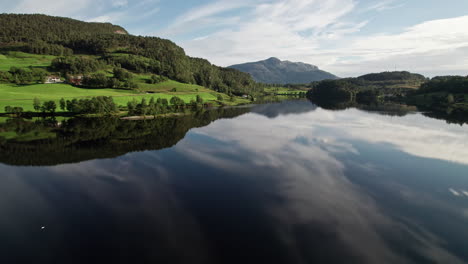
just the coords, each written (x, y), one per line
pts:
(284, 183)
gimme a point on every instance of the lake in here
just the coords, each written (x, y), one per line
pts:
(277, 183)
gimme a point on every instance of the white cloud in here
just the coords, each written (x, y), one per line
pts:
(119, 3)
(413, 134)
(52, 7)
(383, 5)
(290, 29)
(204, 16)
(314, 184)
(114, 11)
(321, 33)
(430, 47)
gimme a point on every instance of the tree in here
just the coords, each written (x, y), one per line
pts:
(8, 109)
(63, 104)
(49, 107)
(17, 110)
(199, 99)
(157, 79)
(97, 80)
(220, 98)
(37, 104)
(130, 84)
(122, 75)
(131, 106)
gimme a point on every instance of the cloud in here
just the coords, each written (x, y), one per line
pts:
(114, 11)
(413, 134)
(383, 5)
(204, 16)
(298, 153)
(52, 7)
(322, 33)
(442, 43)
(289, 29)
(119, 3)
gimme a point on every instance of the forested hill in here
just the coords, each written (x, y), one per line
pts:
(275, 71)
(16, 27)
(112, 45)
(393, 76)
(367, 88)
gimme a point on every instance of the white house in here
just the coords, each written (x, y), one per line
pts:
(53, 79)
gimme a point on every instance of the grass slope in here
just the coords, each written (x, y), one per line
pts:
(23, 60)
(23, 95)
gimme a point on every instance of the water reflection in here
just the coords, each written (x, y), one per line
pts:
(299, 186)
(49, 142)
(284, 108)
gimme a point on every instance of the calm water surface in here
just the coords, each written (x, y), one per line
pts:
(283, 183)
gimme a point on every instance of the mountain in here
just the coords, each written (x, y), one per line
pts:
(111, 45)
(275, 71)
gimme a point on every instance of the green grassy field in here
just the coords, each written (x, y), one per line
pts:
(23, 60)
(166, 86)
(22, 96)
(282, 90)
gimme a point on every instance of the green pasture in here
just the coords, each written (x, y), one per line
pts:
(282, 90)
(23, 60)
(23, 95)
(166, 86)
(122, 101)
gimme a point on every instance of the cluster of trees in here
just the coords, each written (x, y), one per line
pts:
(122, 79)
(16, 110)
(161, 106)
(449, 84)
(45, 107)
(366, 89)
(133, 63)
(332, 90)
(23, 76)
(77, 65)
(95, 105)
(444, 94)
(42, 47)
(25, 28)
(145, 54)
(157, 79)
(392, 76)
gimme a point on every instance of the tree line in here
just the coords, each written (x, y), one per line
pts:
(450, 84)
(162, 106)
(23, 76)
(121, 79)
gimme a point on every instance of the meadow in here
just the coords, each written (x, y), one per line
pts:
(282, 90)
(23, 95)
(23, 60)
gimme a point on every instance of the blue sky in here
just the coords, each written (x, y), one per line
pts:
(346, 37)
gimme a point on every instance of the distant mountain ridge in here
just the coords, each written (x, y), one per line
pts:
(275, 71)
